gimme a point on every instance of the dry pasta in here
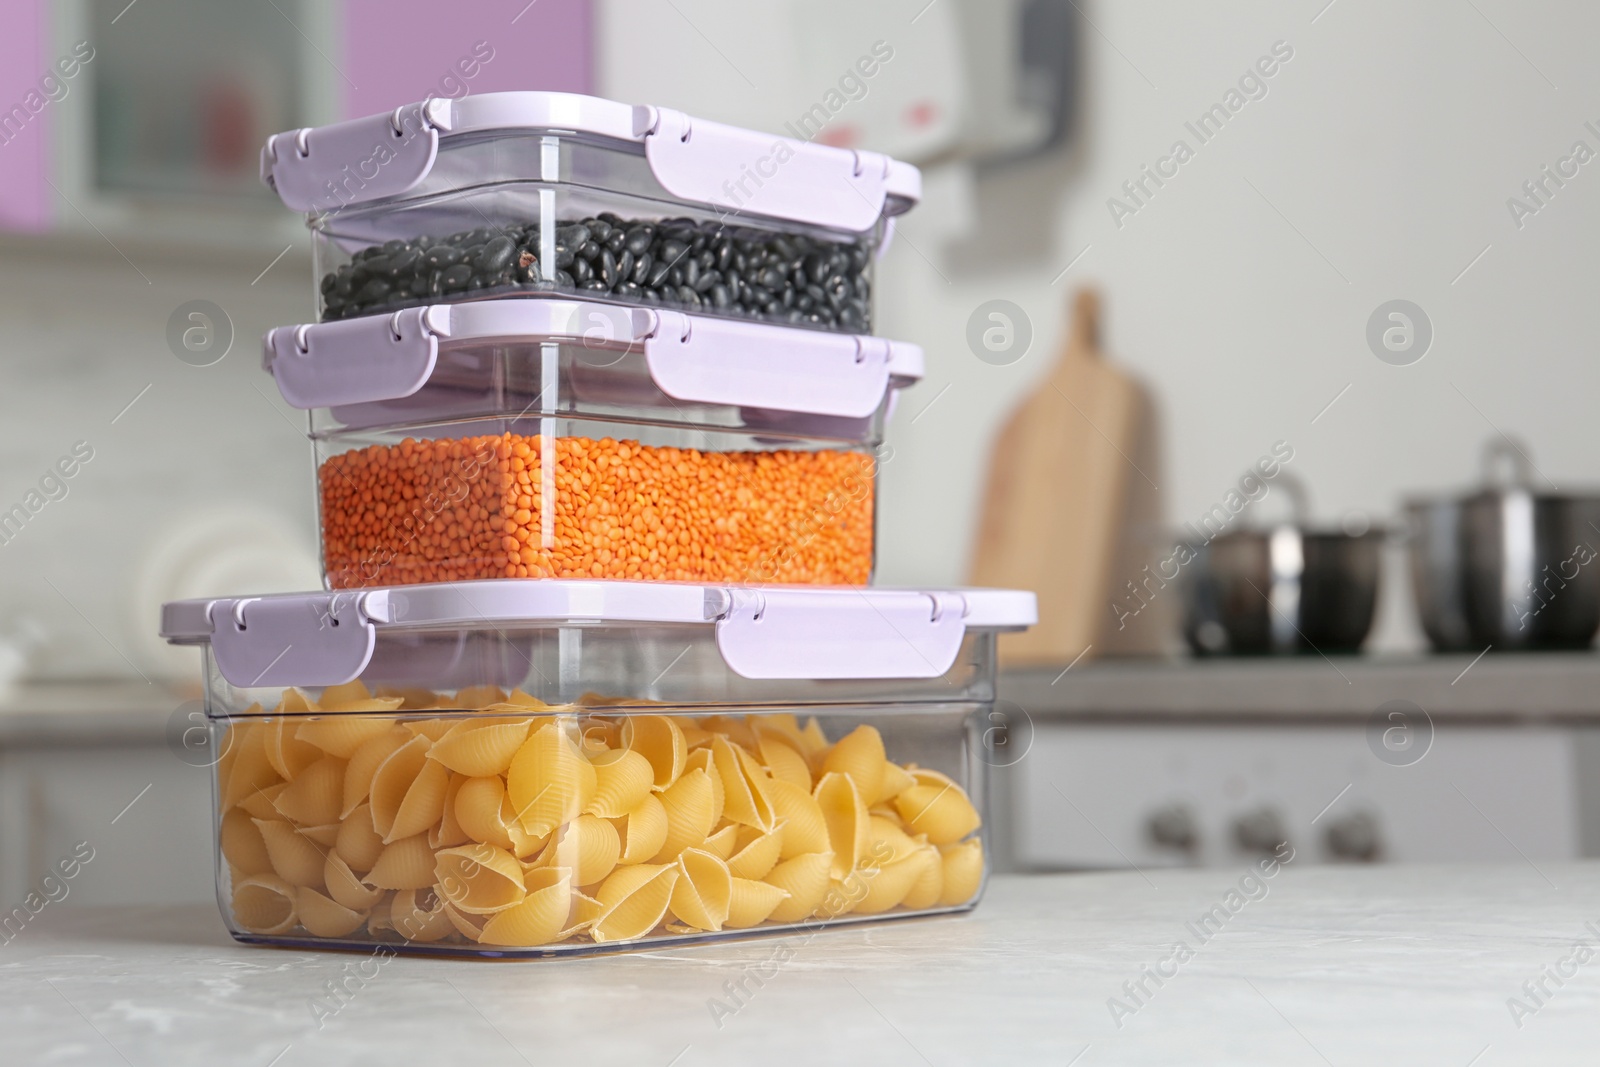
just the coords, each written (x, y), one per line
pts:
(295, 859)
(479, 879)
(642, 831)
(703, 891)
(549, 781)
(264, 905)
(751, 903)
(324, 917)
(690, 814)
(499, 820)
(846, 819)
(315, 795)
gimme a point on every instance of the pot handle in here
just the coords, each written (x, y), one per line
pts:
(1299, 504)
(1506, 464)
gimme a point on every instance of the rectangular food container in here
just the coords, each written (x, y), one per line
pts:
(531, 193)
(570, 439)
(566, 767)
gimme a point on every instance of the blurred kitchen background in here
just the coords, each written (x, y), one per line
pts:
(1365, 153)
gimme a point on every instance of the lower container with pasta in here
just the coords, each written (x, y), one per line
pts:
(537, 768)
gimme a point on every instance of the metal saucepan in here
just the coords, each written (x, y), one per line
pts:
(1284, 589)
(1506, 567)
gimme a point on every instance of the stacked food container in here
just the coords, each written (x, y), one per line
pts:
(597, 417)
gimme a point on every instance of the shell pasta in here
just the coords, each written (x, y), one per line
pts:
(491, 821)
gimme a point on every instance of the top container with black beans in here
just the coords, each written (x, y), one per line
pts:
(535, 194)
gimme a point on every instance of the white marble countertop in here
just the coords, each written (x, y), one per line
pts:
(1326, 966)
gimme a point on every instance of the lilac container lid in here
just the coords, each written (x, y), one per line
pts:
(313, 169)
(691, 358)
(762, 632)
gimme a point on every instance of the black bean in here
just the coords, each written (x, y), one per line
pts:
(606, 267)
(816, 293)
(375, 291)
(419, 285)
(596, 284)
(704, 283)
(673, 250)
(456, 277)
(435, 282)
(816, 267)
(391, 247)
(616, 241)
(629, 290)
(691, 272)
(650, 296)
(477, 281)
(599, 229)
(442, 256)
(574, 234)
(564, 255)
(565, 280)
(496, 255)
(675, 277)
(658, 274)
(719, 296)
(707, 259)
(638, 240)
(625, 264)
(772, 278)
(641, 268)
(589, 250)
(405, 263)
(688, 296)
(581, 271)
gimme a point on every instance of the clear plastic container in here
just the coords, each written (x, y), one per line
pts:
(550, 768)
(540, 439)
(535, 193)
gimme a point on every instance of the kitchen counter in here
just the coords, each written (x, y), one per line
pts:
(103, 712)
(1331, 965)
(1521, 687)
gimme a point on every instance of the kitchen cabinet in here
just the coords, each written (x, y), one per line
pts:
(145, 813)
(1208, 763)
(24, 204)
(155, 136)
(91, 763)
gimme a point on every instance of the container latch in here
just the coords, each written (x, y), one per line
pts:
(356, 361)
(718, 361)
(794, 633)
(301, 641)
(743, 172)
(326, 168)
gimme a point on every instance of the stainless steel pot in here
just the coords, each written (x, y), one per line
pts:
(1284, 589)
(1506, 567)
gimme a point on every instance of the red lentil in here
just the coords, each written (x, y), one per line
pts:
(456, 509)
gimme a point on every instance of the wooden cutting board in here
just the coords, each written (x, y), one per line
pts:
(1057, 494)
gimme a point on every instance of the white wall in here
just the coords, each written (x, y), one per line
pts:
(1381, 161)
(84, 334)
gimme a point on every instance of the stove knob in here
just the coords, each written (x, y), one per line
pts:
(1261, 830)
(1173, 827)
(1356, 837)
